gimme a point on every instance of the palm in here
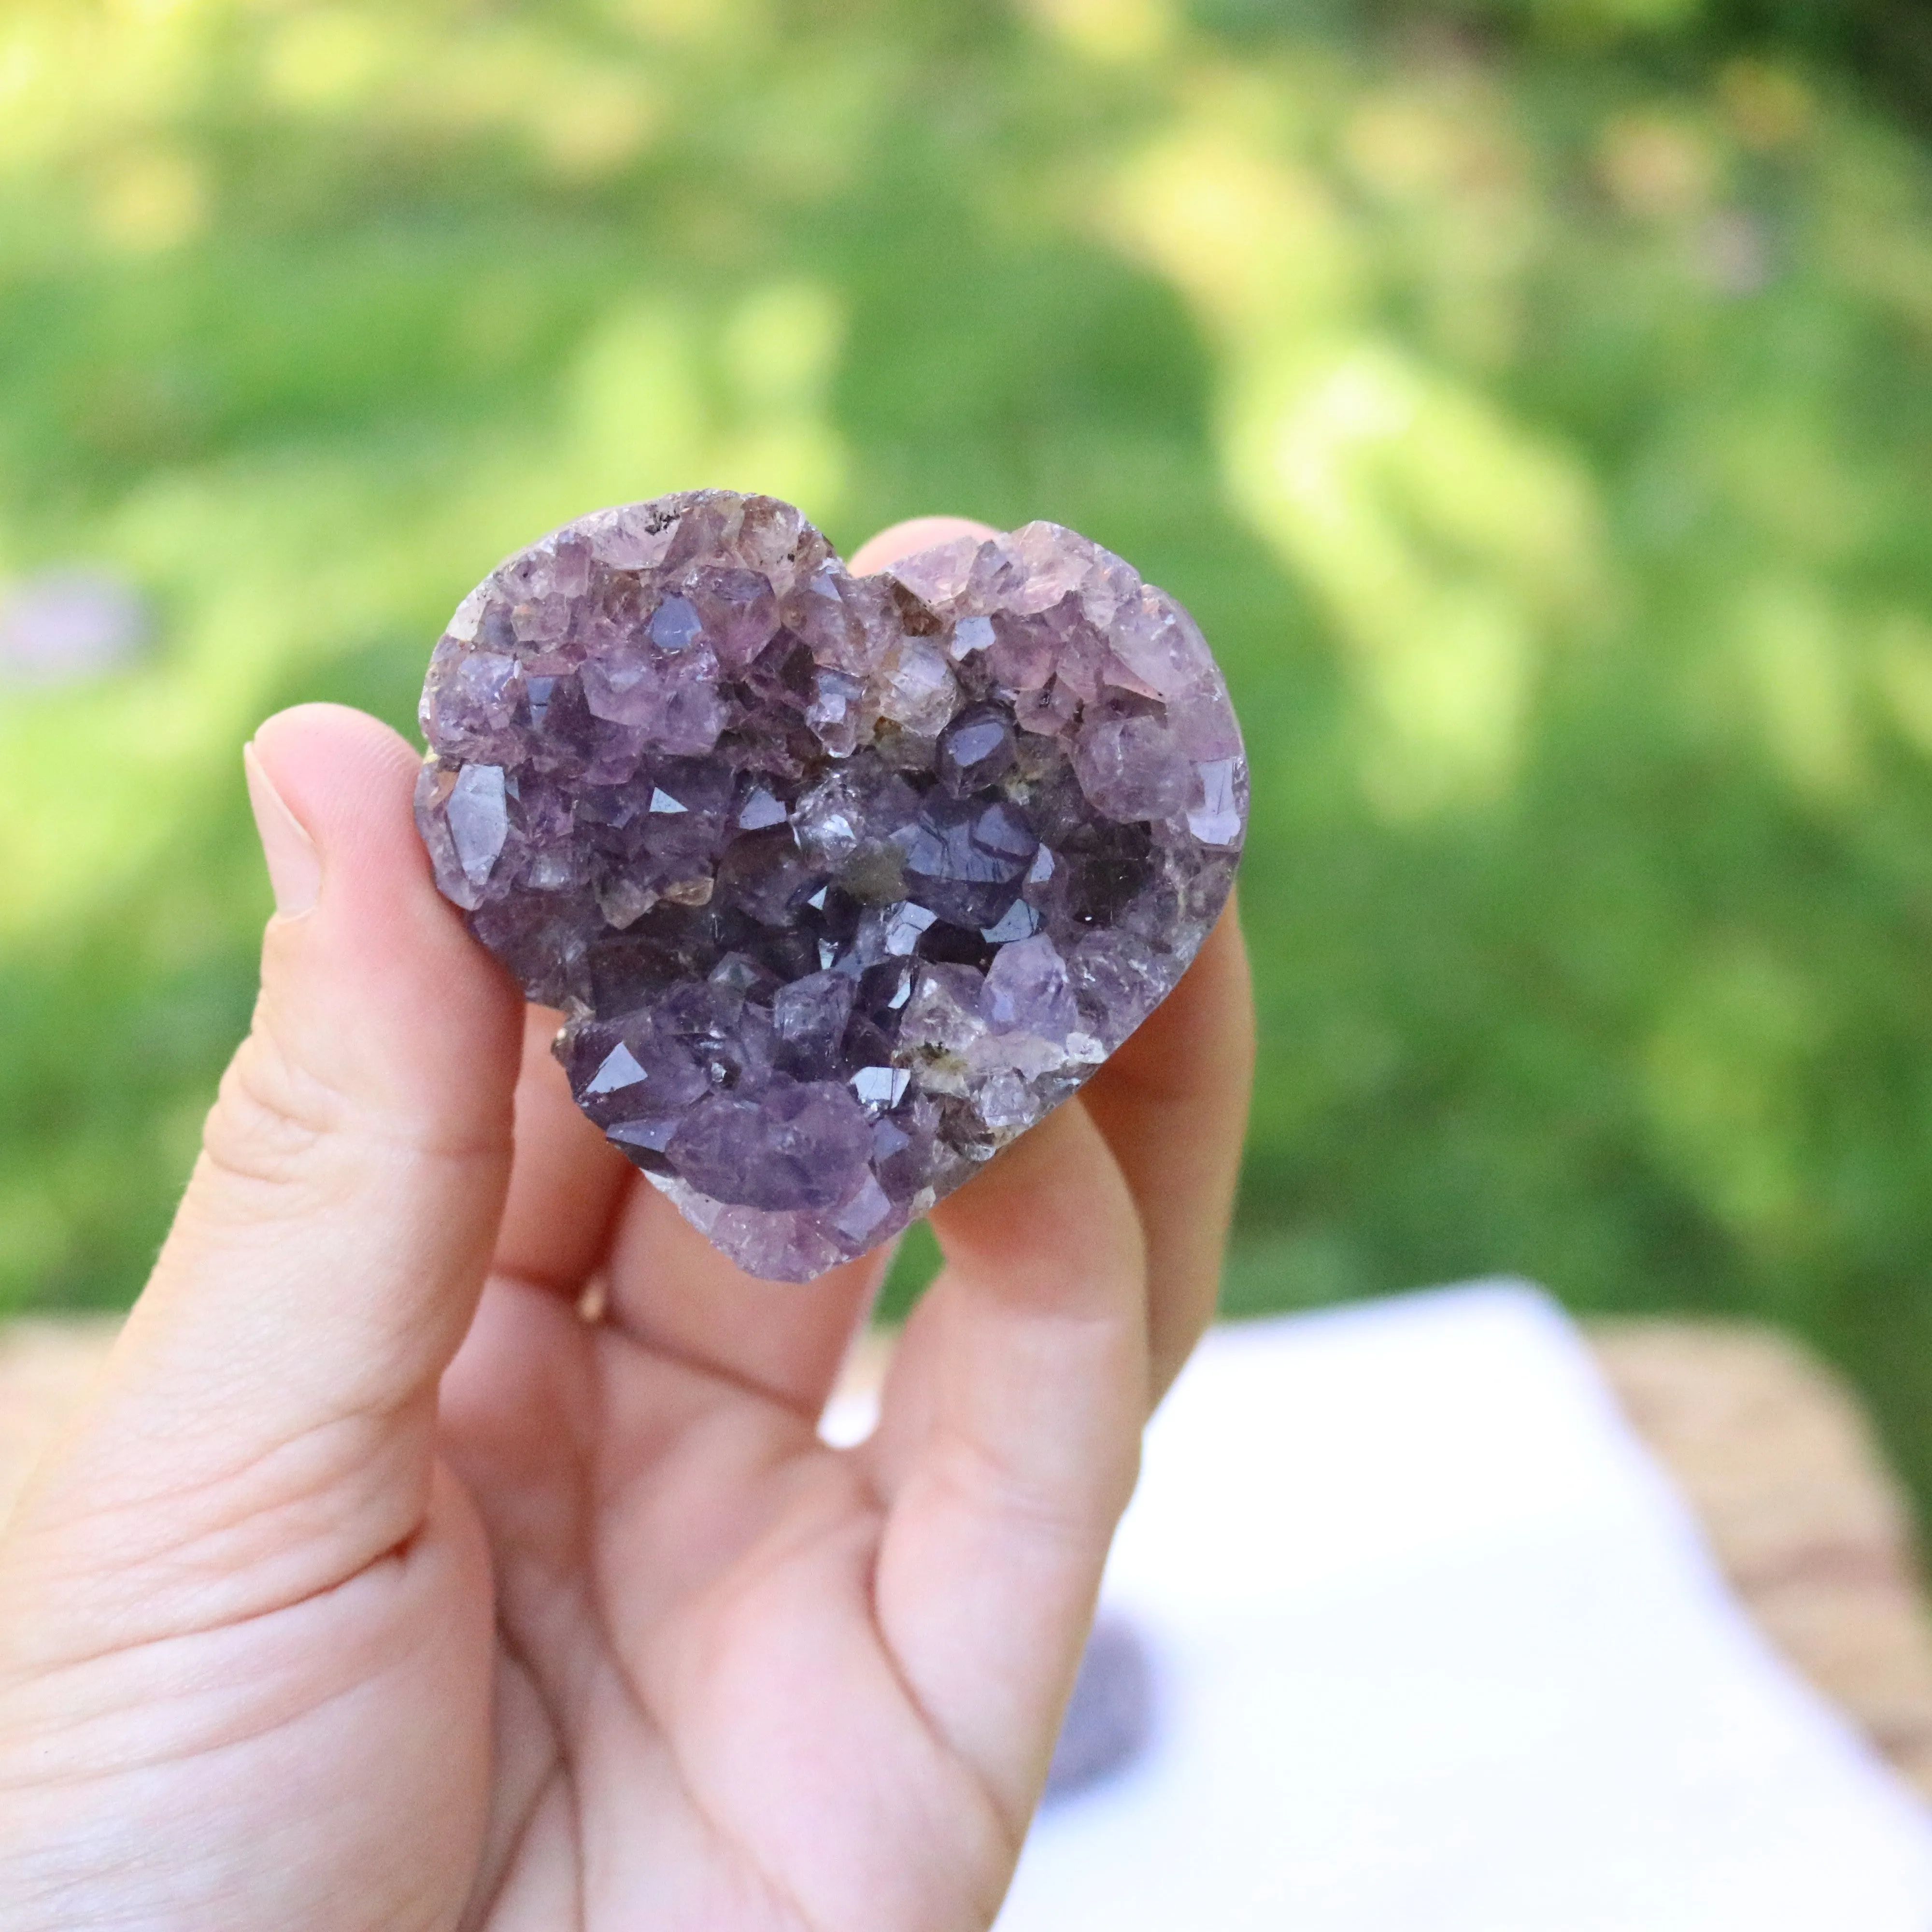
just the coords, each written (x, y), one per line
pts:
(699, 1721)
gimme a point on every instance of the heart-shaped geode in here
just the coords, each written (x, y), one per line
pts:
(841, 882)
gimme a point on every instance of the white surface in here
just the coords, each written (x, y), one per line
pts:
(1439, 1650)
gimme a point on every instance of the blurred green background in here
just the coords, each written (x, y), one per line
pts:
(1531, 398)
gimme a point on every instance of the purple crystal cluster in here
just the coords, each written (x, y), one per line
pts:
(841, 882)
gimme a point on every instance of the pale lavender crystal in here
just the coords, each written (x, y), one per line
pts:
(841, 882)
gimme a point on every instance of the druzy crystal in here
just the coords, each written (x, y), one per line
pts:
(841, 882)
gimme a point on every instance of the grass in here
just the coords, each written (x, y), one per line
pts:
(1534, 408)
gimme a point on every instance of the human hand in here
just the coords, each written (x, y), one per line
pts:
(376, 1587)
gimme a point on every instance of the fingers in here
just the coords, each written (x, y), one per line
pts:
(1080, 1269)
(915, 533)
(1173, 1105)
(567, 1181)
(1009, 1444)
(673, 1292)
(265, 1422)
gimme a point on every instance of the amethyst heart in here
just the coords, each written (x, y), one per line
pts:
(841, 882)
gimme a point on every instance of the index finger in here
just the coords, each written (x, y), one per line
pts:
(567, 1182)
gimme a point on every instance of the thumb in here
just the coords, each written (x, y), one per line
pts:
(264, 1425)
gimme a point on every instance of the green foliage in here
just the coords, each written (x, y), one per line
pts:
(1538, 419)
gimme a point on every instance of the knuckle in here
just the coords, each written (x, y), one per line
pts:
(1067, 1505)
(270, 1115)
(280, 1117)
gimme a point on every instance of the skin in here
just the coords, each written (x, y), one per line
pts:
(375, 1587)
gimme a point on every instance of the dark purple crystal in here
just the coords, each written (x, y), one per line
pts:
(841, 882)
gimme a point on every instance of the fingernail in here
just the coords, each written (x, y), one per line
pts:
(295, 866)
